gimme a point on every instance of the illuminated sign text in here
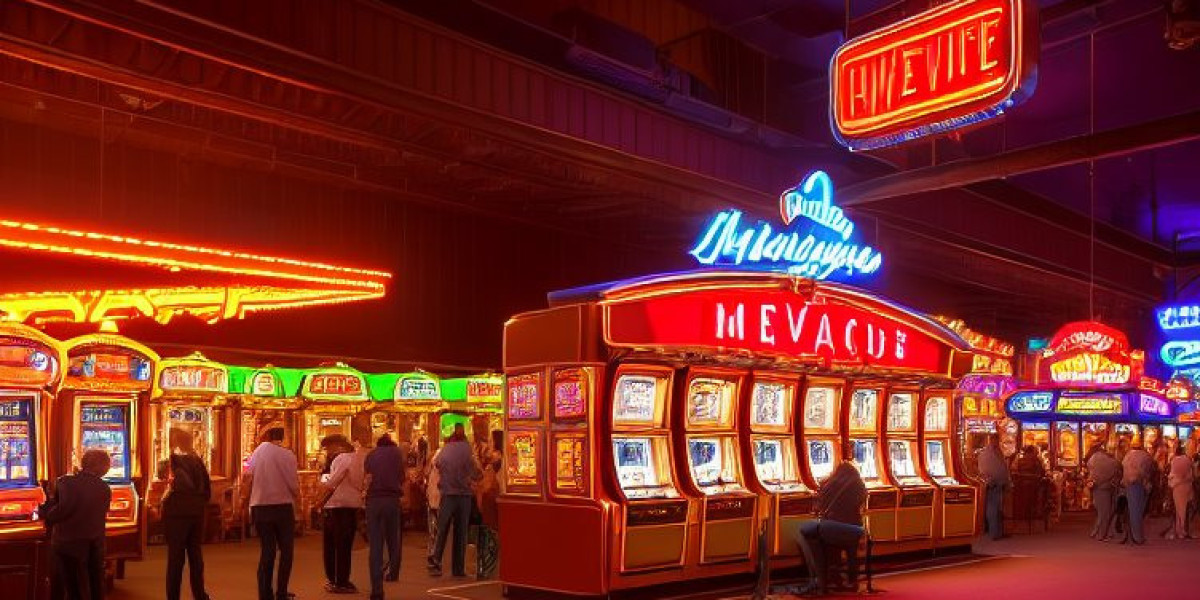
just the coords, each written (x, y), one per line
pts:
(1030, 402)
(1183, 316)
(1154, 406)
(418, 388)
(335, 384)
(263, 384)
(1180, 353)
(485, 389)
(775, 322)
(1091, 405)
(948, 67)
(817, 240)
(193, 378)
(1089, 368)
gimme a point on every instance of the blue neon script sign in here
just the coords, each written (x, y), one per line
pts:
(1030, 402)
(1182, 316)
(1180, 353)
(817, 240)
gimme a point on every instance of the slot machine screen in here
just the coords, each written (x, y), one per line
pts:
(710, 402)
(637, 469)
(770, 405)
(935, 459)
(863, 404)
(16, 443)
(710, 461)
(900, 412)
(775, 464)
(864, 459)
(820, 458)
(820, 408)
(105, 426)
(936, 415)
(190, 426)
(901, 456)
(1067, 444)
(636, 396)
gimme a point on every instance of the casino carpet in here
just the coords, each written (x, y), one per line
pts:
(1063, 563)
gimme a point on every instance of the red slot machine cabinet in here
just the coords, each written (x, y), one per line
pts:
(708, 411)
(864, 430)
(31, 369)
(956, 506)
(914, 511)
(104, 404)
(776, 476)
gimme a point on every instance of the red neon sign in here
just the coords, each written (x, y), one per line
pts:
(774, 322)
(948, 67)
(335, 384)
(1090, 354)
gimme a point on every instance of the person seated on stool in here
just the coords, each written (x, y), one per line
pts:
(838, 526)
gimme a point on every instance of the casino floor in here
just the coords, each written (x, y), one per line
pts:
(1063, 563)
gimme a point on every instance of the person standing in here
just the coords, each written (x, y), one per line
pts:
(487, 548)
(76, 519)
(183, 520)
(274, 491)
(346, 477)
(385, 474)
(433, 498)
(998, 480)
(1104, 474)
(1179, 479)
(457, 471)
(1137, 474)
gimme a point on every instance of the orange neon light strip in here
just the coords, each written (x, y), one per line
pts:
(175, 257)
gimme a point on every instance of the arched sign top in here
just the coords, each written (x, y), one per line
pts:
(417, 386)
(29, 358)
(109, 360)
(337, 383)
(192, 374)
(1089, 354)
(772, 315)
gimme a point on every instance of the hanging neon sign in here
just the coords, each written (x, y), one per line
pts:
(1180, 353)
(1182, 316)
(946, 68)
(1030, 402)
(1091, 405)
(1154, 406)
(1090, 354)
(818, 241)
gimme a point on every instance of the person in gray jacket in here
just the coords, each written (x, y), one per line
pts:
(457, 472)
(1104, 476)
(994, 470)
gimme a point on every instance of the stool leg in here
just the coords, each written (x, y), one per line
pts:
(870, 571)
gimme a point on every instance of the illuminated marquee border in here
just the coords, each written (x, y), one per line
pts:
(285, 282)
(1017, 86)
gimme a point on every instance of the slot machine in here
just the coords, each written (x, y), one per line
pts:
(956, 505)
(914, 512)
(709, 413)
(771, 442)
(863, 427)
(651, 508)
(103, 405)
(31, 366)
(260, 399)
(820, 433)
(191, 414)
(335, 399)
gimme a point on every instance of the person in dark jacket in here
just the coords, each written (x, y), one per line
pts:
(840, 503)
(76, 519)
(457, 473)
(384, 468)
(183, 510)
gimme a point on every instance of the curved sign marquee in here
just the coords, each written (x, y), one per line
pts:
(946, 68)
(1090, 354)
(776, 322)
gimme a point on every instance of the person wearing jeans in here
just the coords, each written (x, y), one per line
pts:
(385, 475)
(341, 512)
(995, 472)
(183, 519)
(838, 528)
(457, 471)
(1137, 472)
(274, 490)
(76, 517)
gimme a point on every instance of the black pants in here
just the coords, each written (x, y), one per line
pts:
(340, 526)
(184, 535)
(79, 569)
(276, 526)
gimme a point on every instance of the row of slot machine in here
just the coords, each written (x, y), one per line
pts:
(658, 426)
(102, 391)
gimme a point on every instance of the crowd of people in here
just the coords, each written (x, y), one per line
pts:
(1126, 485)
(362, 488)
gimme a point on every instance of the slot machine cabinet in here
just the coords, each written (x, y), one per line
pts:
(332, 396)
(103, 404)
(864, 427)
(1066, 438)
(771, 444)
(190, 413)
(261, 399)
(654, 515)
(31, 369)
(914, 512)
(1094, 434)
(956, 504)
(820, 428)
(707, 405)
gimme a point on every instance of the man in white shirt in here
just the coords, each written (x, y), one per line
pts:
(274, 491)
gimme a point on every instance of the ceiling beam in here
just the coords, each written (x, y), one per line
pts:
(1148, 135)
